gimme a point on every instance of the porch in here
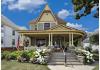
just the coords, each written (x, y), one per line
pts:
(50, 40)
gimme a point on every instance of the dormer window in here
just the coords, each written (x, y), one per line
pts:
(46, 26)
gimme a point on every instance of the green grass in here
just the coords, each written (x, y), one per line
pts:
(14, 65)
(96, 68)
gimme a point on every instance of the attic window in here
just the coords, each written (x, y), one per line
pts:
(35, 27)
(46, 26)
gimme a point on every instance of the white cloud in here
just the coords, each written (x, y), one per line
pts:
(77, 26)
(22, 27)
(63, 13)
(94, 8)
(23, 4)
(7, 1)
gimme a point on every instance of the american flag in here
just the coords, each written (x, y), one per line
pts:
(18, 43)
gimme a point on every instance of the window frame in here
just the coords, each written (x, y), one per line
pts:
(46, 27)
(13, 32)
(13, 41)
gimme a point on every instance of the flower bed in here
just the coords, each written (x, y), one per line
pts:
(87, 56)
(38, 56)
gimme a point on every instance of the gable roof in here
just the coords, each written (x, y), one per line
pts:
(47, 9)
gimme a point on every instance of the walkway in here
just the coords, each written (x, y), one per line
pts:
(74, 67)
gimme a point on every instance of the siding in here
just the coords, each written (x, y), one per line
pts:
(53, 24)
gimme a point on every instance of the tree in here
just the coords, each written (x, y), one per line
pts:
(84, 7)
(94, 39)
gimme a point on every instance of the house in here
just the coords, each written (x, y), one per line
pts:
(9, 35)
(50, 31)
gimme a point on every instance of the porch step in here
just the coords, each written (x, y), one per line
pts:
(58, 58)
(74, 63)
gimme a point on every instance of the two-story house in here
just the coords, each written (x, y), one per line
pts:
(50, 31)
(9, 35)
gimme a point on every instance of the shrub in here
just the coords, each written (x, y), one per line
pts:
(96, 57)
(88, 49)
(88, 59)
(5, 54)
(96, 51)
(24, 57)
(31, 53)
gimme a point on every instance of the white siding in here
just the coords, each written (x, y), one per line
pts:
(8, 36)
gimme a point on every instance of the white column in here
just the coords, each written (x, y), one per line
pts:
(49, 40)
(69, 39)
(72, 39)
(29, 41)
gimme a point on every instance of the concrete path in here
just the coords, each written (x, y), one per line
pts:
(75, 67)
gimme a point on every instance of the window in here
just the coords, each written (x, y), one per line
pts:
(13, 41)
(35, 27)
(13, 32)
(1, 40)
(46, 26)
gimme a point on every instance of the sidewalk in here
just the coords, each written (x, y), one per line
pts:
(75, 67)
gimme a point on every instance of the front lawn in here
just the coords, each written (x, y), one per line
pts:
(14, 65)
(96, 68)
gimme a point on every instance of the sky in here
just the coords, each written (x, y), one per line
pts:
(21, 12)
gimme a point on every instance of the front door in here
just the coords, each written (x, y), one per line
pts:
(58, 43)
(40, 42)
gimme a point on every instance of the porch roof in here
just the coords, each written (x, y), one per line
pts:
(58, 29)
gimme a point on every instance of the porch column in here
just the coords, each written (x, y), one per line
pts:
(64, 41)
(29, 41)
(72, 39)
(69, 39)
(49, 40)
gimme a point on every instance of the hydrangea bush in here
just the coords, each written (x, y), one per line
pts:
(88, 57)
(39, 56)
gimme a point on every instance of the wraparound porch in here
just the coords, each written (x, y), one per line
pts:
(49, 40)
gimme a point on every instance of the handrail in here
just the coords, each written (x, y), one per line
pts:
(65, 57)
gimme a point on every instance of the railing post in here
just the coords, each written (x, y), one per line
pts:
(65, 57)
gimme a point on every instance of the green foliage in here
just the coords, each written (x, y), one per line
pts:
(96, 57)
(94, 39)
(24, 57)
(76, 42)
(88, 57)
(31, 53)
(88, 49)
(96, 68)
(95, 51)
(85, 6)
(27, 56)
(4, 54)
